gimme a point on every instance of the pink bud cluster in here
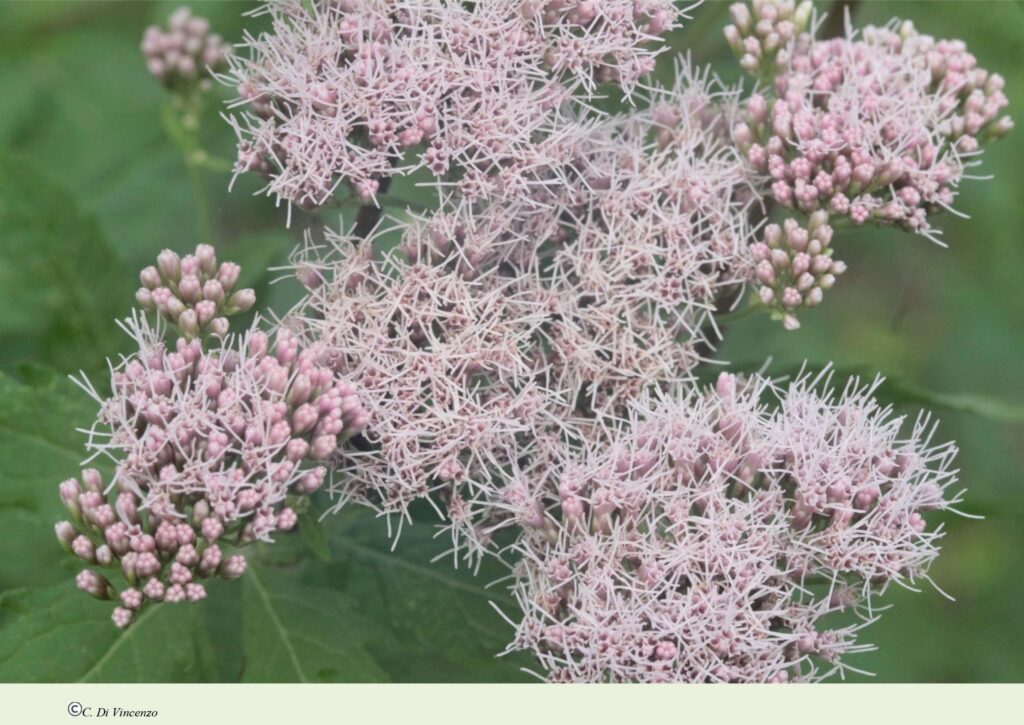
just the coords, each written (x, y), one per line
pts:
(875, 128)
(354, 92)
(794, 266)
(193, 292)
(760, 34)
(976, 95)
(159, 559)
(187, 54)
(213, 447)
(710, 536)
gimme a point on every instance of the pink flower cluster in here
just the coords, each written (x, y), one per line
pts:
(795, 266)
(709, 537)
(194, 293)
(524, 354)
(211, 448)
(443, 364)
(760, 35)
(875, 128)
(499, 326)
(187, 54)
(656, 229)
(356, 91)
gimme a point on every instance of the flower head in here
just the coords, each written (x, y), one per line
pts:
(187, 54)
(709, 536)
(212, 443)
(351, 93)
(877, 128)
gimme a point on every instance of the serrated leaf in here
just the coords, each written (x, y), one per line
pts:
(299, 633)
(59, 634)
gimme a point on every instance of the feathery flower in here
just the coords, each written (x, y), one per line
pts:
(354, 92)
(708, 536)
(444, 367)
(503, 324)
(877, 128)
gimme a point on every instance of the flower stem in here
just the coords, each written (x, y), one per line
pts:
(181, 121)
(729, 318)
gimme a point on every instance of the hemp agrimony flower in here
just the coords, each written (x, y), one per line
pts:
(708, 537)
(524, 355)
(186, 55)
(213, 443)
(354, 92)
(498, 322)
(879, 127)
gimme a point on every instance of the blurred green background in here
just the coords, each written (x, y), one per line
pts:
(91, 188)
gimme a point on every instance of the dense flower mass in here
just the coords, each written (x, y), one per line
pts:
(709, 537)
(211, 443)
(877, 128)
(524, 355)
(354, 92)
(500, 325)
(444, 366)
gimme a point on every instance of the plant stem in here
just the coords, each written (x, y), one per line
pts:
(729, 318)
(181, 121)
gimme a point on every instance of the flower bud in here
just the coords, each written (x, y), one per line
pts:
(213, 290)
(219, 326)
(93, 584)
(66, 533)
(240, 301)
(92, 480)
(169, 265)
(227, 275)
(188, 323)
(145, 299)
(207, 259)
(150, 278)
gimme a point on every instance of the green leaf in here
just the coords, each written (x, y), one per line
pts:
(59, 634)
(899, 391)
(312, 532)
(61, 286)
(39, 448)
(298, 633)
(391, 615)
(432, 623)
(973, 403)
